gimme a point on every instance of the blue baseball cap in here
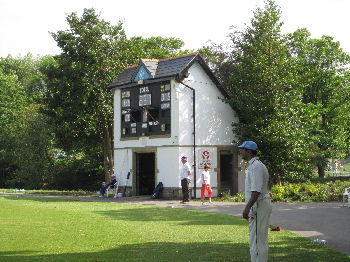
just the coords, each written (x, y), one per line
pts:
(184, 158)
(251, 145)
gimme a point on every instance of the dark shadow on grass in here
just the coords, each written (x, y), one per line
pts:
(286, 251)
(183, 217)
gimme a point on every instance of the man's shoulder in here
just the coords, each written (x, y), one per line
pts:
(257, 164)
(186, 166)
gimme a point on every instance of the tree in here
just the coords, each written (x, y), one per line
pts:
(25, 137)
(322, 72)
(94, 52)
(257, 73)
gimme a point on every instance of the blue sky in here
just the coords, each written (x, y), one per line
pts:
(25, 25)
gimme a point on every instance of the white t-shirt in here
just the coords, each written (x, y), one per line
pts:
(184, 171)
(205, 175)
(257, 179)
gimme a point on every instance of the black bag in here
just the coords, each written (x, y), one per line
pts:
(157, 190)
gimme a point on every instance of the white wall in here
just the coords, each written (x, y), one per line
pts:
(213, 117)
(168, 166)
(123, 165)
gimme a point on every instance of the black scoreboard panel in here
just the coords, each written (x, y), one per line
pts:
(145, 110)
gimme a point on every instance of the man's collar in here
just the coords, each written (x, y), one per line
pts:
(252, 160)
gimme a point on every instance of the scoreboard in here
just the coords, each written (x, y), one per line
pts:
(145, 110)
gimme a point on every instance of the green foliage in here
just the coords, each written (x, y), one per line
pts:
(257, 75)
(322, 73)
(227, 197)
(79, 172)
(292, 98)
(278, 192)
(94, 52)
(325, 191)
(25, 137)
(79, 105)
(153, 48)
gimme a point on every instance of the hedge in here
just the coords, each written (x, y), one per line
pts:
(309, 191)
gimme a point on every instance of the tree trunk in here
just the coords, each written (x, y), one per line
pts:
(320, 171)
(108, 161)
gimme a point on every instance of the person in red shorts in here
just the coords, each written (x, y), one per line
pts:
(205, 178)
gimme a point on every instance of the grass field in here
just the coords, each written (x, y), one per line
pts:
(42, 229)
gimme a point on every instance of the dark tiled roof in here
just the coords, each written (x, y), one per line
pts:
(173, 66)
(158, 68)
(161, 69)
(125, 76)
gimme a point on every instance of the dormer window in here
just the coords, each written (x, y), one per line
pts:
(142, 74)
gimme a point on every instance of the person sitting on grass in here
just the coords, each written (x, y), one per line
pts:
(103, 189)
(113, 181)
(105, 185)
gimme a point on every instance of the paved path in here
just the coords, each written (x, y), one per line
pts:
(328, 221)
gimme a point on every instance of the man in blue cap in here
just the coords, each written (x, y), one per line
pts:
(185, 178)
(258, 203)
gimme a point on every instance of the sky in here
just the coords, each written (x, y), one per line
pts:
(25, 25)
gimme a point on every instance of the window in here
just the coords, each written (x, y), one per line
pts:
(165, 97)
(126, 103)
(165, 106)
(127, 117)
(145, 100)
(125, 94)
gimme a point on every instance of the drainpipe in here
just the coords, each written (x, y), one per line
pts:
(177, 78)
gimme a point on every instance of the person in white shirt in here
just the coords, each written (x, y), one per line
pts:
(258, 203)
(185, 178)
(205, 178)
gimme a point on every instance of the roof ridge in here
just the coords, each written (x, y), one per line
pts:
(176, 57)
(162, 60)
(170, 58)
(149, 60)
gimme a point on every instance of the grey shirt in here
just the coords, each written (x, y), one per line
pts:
(257, 179)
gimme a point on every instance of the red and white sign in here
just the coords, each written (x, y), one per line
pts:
(204, 158)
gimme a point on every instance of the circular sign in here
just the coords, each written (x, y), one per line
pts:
(205, 154)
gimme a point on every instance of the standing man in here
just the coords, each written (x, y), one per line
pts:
(185, 177)
(258, 204)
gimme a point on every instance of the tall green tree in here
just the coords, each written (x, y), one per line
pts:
(25, 136)
(257, 72)
(322, 73)
(94, 52)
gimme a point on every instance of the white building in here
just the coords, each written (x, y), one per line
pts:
(154, 127)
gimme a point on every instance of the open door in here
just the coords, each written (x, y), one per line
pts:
(228, 179)
(145, 173)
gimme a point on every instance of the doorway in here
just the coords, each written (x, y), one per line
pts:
(228, 180)
(145, 173)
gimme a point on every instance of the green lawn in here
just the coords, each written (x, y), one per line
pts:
(41, 229)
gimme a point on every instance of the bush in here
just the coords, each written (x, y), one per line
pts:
(75, 174)
(323, 191)
(278, 192)
(227, 197)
